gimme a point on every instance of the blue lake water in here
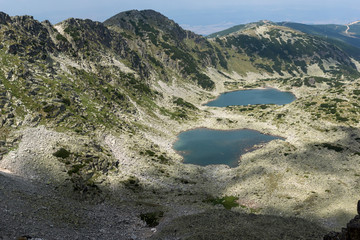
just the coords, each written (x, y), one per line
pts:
(252, 96)
(204, 146)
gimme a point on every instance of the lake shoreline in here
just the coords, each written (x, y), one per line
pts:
(206, 146)
(227, 99)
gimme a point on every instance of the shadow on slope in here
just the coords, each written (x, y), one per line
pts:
(319, 181)
(39, 211)
(223, 224)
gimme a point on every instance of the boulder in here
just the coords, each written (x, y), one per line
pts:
(353, 228)
(351, 232)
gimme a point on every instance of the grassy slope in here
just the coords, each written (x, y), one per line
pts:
(332, 33)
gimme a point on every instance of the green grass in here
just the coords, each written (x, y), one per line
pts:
(150, 153)
(60, 37)
(329, 146)
(227, 31)
(228, 201)
(75, 169)
(182, 103)
(62, 153)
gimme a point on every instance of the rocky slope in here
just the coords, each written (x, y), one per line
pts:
(344, 37)
(277, 49)
(89, 112)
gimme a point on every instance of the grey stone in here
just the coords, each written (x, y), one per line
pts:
(10, 74)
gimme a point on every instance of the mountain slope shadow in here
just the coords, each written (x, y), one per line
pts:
(224, 224)
(36, 210)
(318, 181)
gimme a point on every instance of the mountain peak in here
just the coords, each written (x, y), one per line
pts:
(4, 18)
(241, 28)
(136, 15)
(266, 21)
(146, 20)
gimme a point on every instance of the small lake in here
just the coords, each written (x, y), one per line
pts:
(205, 146)
(253, 96)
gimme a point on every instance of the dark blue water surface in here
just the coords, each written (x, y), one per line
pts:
(252, 96)
(204, 146)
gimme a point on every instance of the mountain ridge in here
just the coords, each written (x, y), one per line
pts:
(333, 33)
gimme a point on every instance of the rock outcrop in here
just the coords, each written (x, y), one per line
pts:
(4, 18)
(351, 232)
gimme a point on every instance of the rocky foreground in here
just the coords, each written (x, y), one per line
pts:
(351, 232)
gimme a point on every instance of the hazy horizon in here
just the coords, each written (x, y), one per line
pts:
(202, 17)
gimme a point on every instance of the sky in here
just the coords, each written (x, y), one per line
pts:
(201, 16)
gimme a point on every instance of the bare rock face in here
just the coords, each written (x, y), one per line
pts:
(353, 228)
(351, 232)
(4, 18)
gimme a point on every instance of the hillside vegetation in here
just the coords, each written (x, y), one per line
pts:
(346, 37)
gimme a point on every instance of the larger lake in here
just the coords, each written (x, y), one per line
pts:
(252, 96)
(204, 146)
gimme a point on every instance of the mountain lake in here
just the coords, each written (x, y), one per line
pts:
(251, 97)
(203, 146)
